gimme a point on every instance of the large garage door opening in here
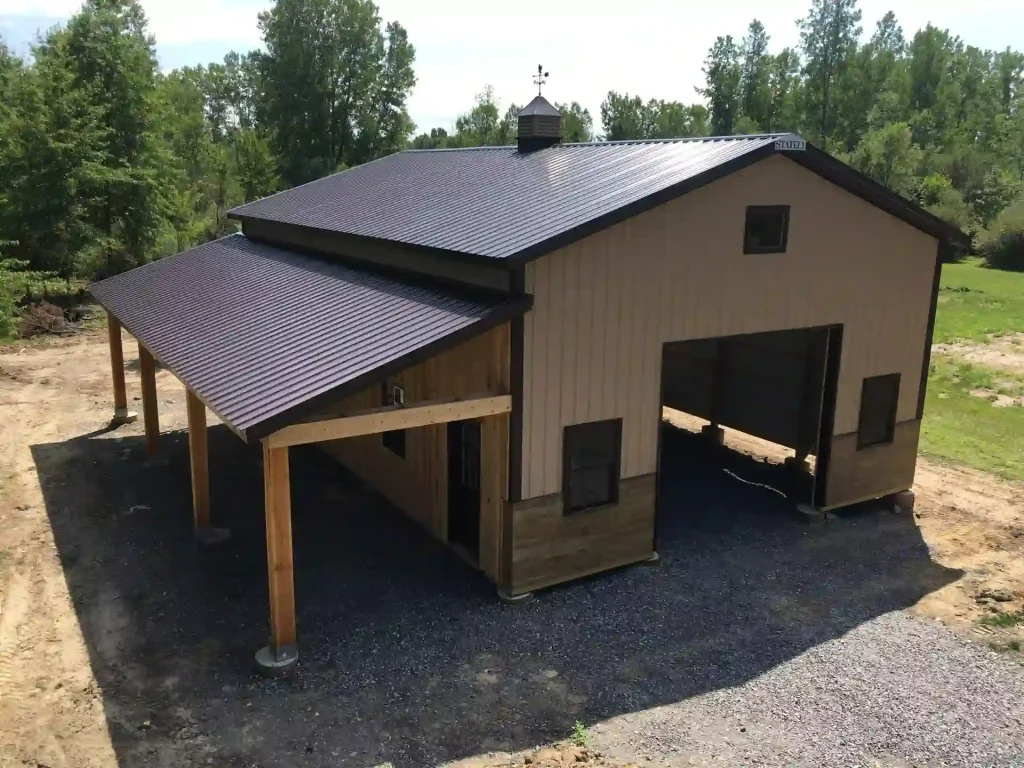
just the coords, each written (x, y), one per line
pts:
(749, 412)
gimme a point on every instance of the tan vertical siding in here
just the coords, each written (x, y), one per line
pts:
(604, 306)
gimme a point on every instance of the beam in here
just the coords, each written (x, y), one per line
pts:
(390, 417)
(281, 653)
(121, 413)
(150, 414)
(198, 454)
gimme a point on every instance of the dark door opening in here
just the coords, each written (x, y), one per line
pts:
(747, 420)
(464, 486)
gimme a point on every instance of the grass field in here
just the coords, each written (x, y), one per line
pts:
(973, 303)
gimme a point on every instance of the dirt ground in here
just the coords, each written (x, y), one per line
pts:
(1004, 353)
(61, 620)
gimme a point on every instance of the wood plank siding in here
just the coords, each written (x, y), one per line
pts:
(418, 484)
(549, 546)
(605, 305)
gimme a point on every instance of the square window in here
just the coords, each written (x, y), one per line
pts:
(879, 397)
(766, 229)
(590, 464)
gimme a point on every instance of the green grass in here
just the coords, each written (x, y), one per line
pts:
(967, 429)
(975, 302)
(1003, 619)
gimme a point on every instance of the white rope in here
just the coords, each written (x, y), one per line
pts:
(759, 485)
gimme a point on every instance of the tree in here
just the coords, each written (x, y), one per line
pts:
(329, 80)
(828, 37)
(755, 76)
(784, 89)
(256, 164)
(481, 126)
(890, 157)
(623, 117)
(722, 85)
(577, 124)
(111, 59)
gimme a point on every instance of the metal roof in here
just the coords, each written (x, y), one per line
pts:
(498, 202)
(539, 106)
(493, 201)
(263, 335)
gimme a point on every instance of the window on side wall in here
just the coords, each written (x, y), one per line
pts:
(766, 229)
(590, 464)
(879, 396)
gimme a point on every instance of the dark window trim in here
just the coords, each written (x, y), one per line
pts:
(890, 433)
(784, 210)
(616, 466)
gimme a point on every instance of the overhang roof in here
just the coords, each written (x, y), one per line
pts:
(264, 335)
(498, 203)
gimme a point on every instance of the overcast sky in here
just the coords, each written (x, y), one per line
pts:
(653, 48)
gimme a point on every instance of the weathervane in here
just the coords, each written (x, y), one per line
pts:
(540, 78)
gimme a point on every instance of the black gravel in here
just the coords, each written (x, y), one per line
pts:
(754, 621)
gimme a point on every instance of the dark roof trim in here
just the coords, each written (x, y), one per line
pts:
(514, 307)
(811, 158)
(644, 204)
(856, 183)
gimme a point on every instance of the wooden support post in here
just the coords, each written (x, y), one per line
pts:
(198, 455)
(121, 413)
(150, 414)
(281, 654)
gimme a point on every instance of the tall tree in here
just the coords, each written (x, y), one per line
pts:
(828, 37)
(722, 85)
(327, 76)
(755, 76)
(108, 51)
(784, 89)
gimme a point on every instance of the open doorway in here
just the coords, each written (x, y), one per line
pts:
(753, 410)
(464, 487)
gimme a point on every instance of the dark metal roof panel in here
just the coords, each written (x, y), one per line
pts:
(495, 201)
(539, 106)
(257, 331)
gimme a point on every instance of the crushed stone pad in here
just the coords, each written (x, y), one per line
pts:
(896, 691)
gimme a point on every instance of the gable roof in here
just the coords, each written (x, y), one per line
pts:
(263, 335)
(498, 203)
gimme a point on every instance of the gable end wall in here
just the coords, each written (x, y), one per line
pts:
(604, 306)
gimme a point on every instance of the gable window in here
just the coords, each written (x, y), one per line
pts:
(590, 464)
(766, 229)
(879, 396)
(394, 440)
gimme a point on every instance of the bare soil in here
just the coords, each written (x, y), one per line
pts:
(1004, 353)
(102, 668)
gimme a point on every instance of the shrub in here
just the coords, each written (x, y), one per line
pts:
(1002, 244)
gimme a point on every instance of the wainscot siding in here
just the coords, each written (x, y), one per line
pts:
(549, 547)
(604, 306)
(418, 484)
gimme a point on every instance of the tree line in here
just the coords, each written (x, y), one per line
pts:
(106, 162)
(931, 117)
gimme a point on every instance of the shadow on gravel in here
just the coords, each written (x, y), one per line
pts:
(406, 654)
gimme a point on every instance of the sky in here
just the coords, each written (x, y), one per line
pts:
(652, 48)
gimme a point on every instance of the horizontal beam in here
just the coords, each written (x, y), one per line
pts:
(390, 417)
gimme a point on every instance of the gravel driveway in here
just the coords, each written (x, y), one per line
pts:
(759, 641)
